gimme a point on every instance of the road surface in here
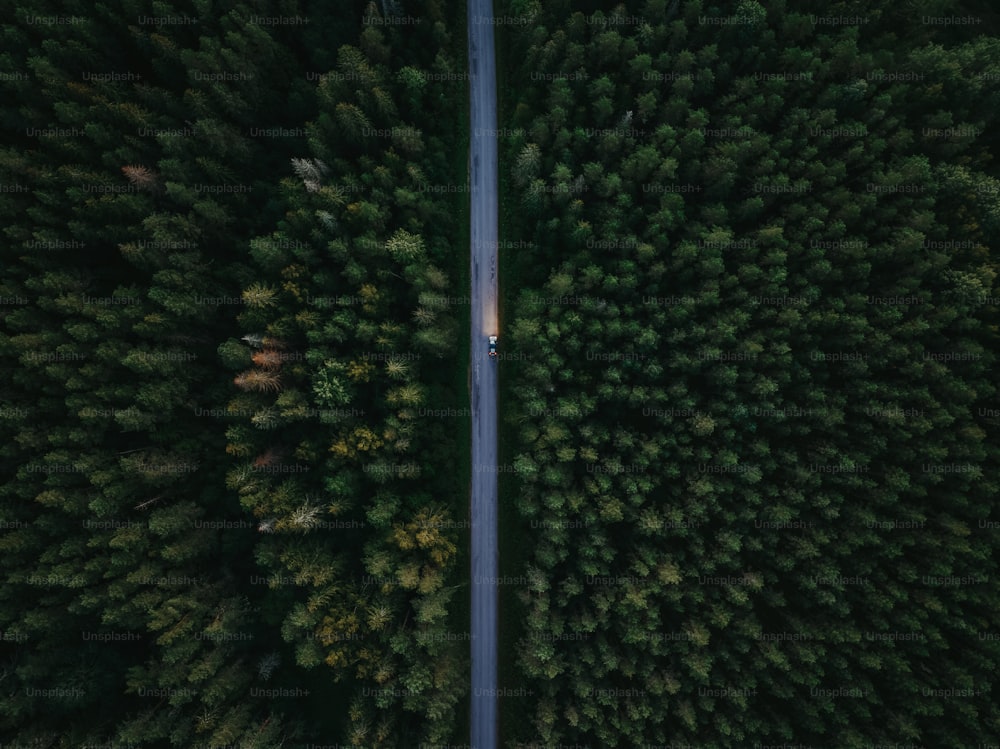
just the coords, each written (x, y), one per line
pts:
(483, 235)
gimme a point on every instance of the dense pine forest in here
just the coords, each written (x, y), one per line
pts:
(748, 355)
(227, 285)
(752, 402)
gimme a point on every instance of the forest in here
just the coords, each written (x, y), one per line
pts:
(227, 284)
(748, 331)
(753, 421)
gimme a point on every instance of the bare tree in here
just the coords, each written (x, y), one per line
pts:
(142, 178)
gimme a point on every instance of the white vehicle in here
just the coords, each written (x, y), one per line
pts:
(493, 346)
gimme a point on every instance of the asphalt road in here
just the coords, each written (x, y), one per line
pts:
(483, 252)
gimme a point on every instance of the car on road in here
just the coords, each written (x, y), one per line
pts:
(493, 346)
